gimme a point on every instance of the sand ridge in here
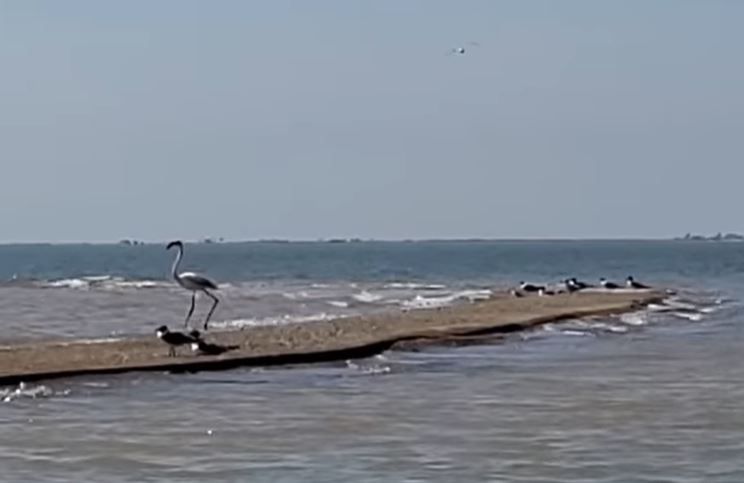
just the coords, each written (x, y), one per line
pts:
(338, 339)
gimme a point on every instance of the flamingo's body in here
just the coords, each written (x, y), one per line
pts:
(194, 283)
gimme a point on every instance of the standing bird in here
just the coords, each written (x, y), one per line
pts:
(528, 287)
(175, 339)
(194, 283)
(631, 283)
(607, 284)
(209, 349)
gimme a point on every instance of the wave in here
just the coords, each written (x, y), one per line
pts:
(271, 321)
(366, 297)
(104, 282)
(422, 302)
(414, 286)
(372, 369)
(338, 303)
(24, 391)
(634, 318)
(695, 317)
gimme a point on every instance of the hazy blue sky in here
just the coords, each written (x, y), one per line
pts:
(165, 119)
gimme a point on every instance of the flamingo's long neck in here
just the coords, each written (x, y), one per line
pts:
(177, 263)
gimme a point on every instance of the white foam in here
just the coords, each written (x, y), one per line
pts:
(415, 286)
(30, 392)
(635, 318)
(338, 303)
(271, 321)
(105, 340)
(421, 302)
(658, 308)
(105, 282)
(68, 283)
(366, 297)
(134, 284)
(575, 332)
(97, 278)
(602, 326)
(679, 304)
(371, 370)
(689, 316)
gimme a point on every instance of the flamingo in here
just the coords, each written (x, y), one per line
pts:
(194, 283)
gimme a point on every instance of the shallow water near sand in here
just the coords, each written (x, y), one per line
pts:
(650, 396)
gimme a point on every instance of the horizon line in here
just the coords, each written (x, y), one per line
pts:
(342, 240)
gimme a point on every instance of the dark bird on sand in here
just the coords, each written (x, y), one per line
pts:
(175, 339)
(577, 285)
(528, 287)
(631, 283)
(210, 349)
(607, 284)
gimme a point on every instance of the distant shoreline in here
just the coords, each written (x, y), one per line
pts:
(340, 241)
(718, 237)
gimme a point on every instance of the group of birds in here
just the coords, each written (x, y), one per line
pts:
(192, 339)
(571, 285)
(194, 283)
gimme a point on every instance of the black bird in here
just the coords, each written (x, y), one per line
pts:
(209, 349)
(631, 283)
(175, 339)
(578, 285)
(528, 287)
(608, 285)
(570, 287)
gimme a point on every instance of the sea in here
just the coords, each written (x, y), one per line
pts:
(655, 395)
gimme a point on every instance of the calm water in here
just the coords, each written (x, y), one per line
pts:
(651, 396)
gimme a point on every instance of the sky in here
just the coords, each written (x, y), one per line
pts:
(347, 118)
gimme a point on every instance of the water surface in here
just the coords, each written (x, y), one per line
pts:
(651, 396)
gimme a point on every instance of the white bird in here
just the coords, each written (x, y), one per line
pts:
(194, 283)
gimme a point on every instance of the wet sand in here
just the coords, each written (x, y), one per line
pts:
(338, 339)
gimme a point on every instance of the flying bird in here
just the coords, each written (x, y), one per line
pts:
(461, 50)
(194, 283)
